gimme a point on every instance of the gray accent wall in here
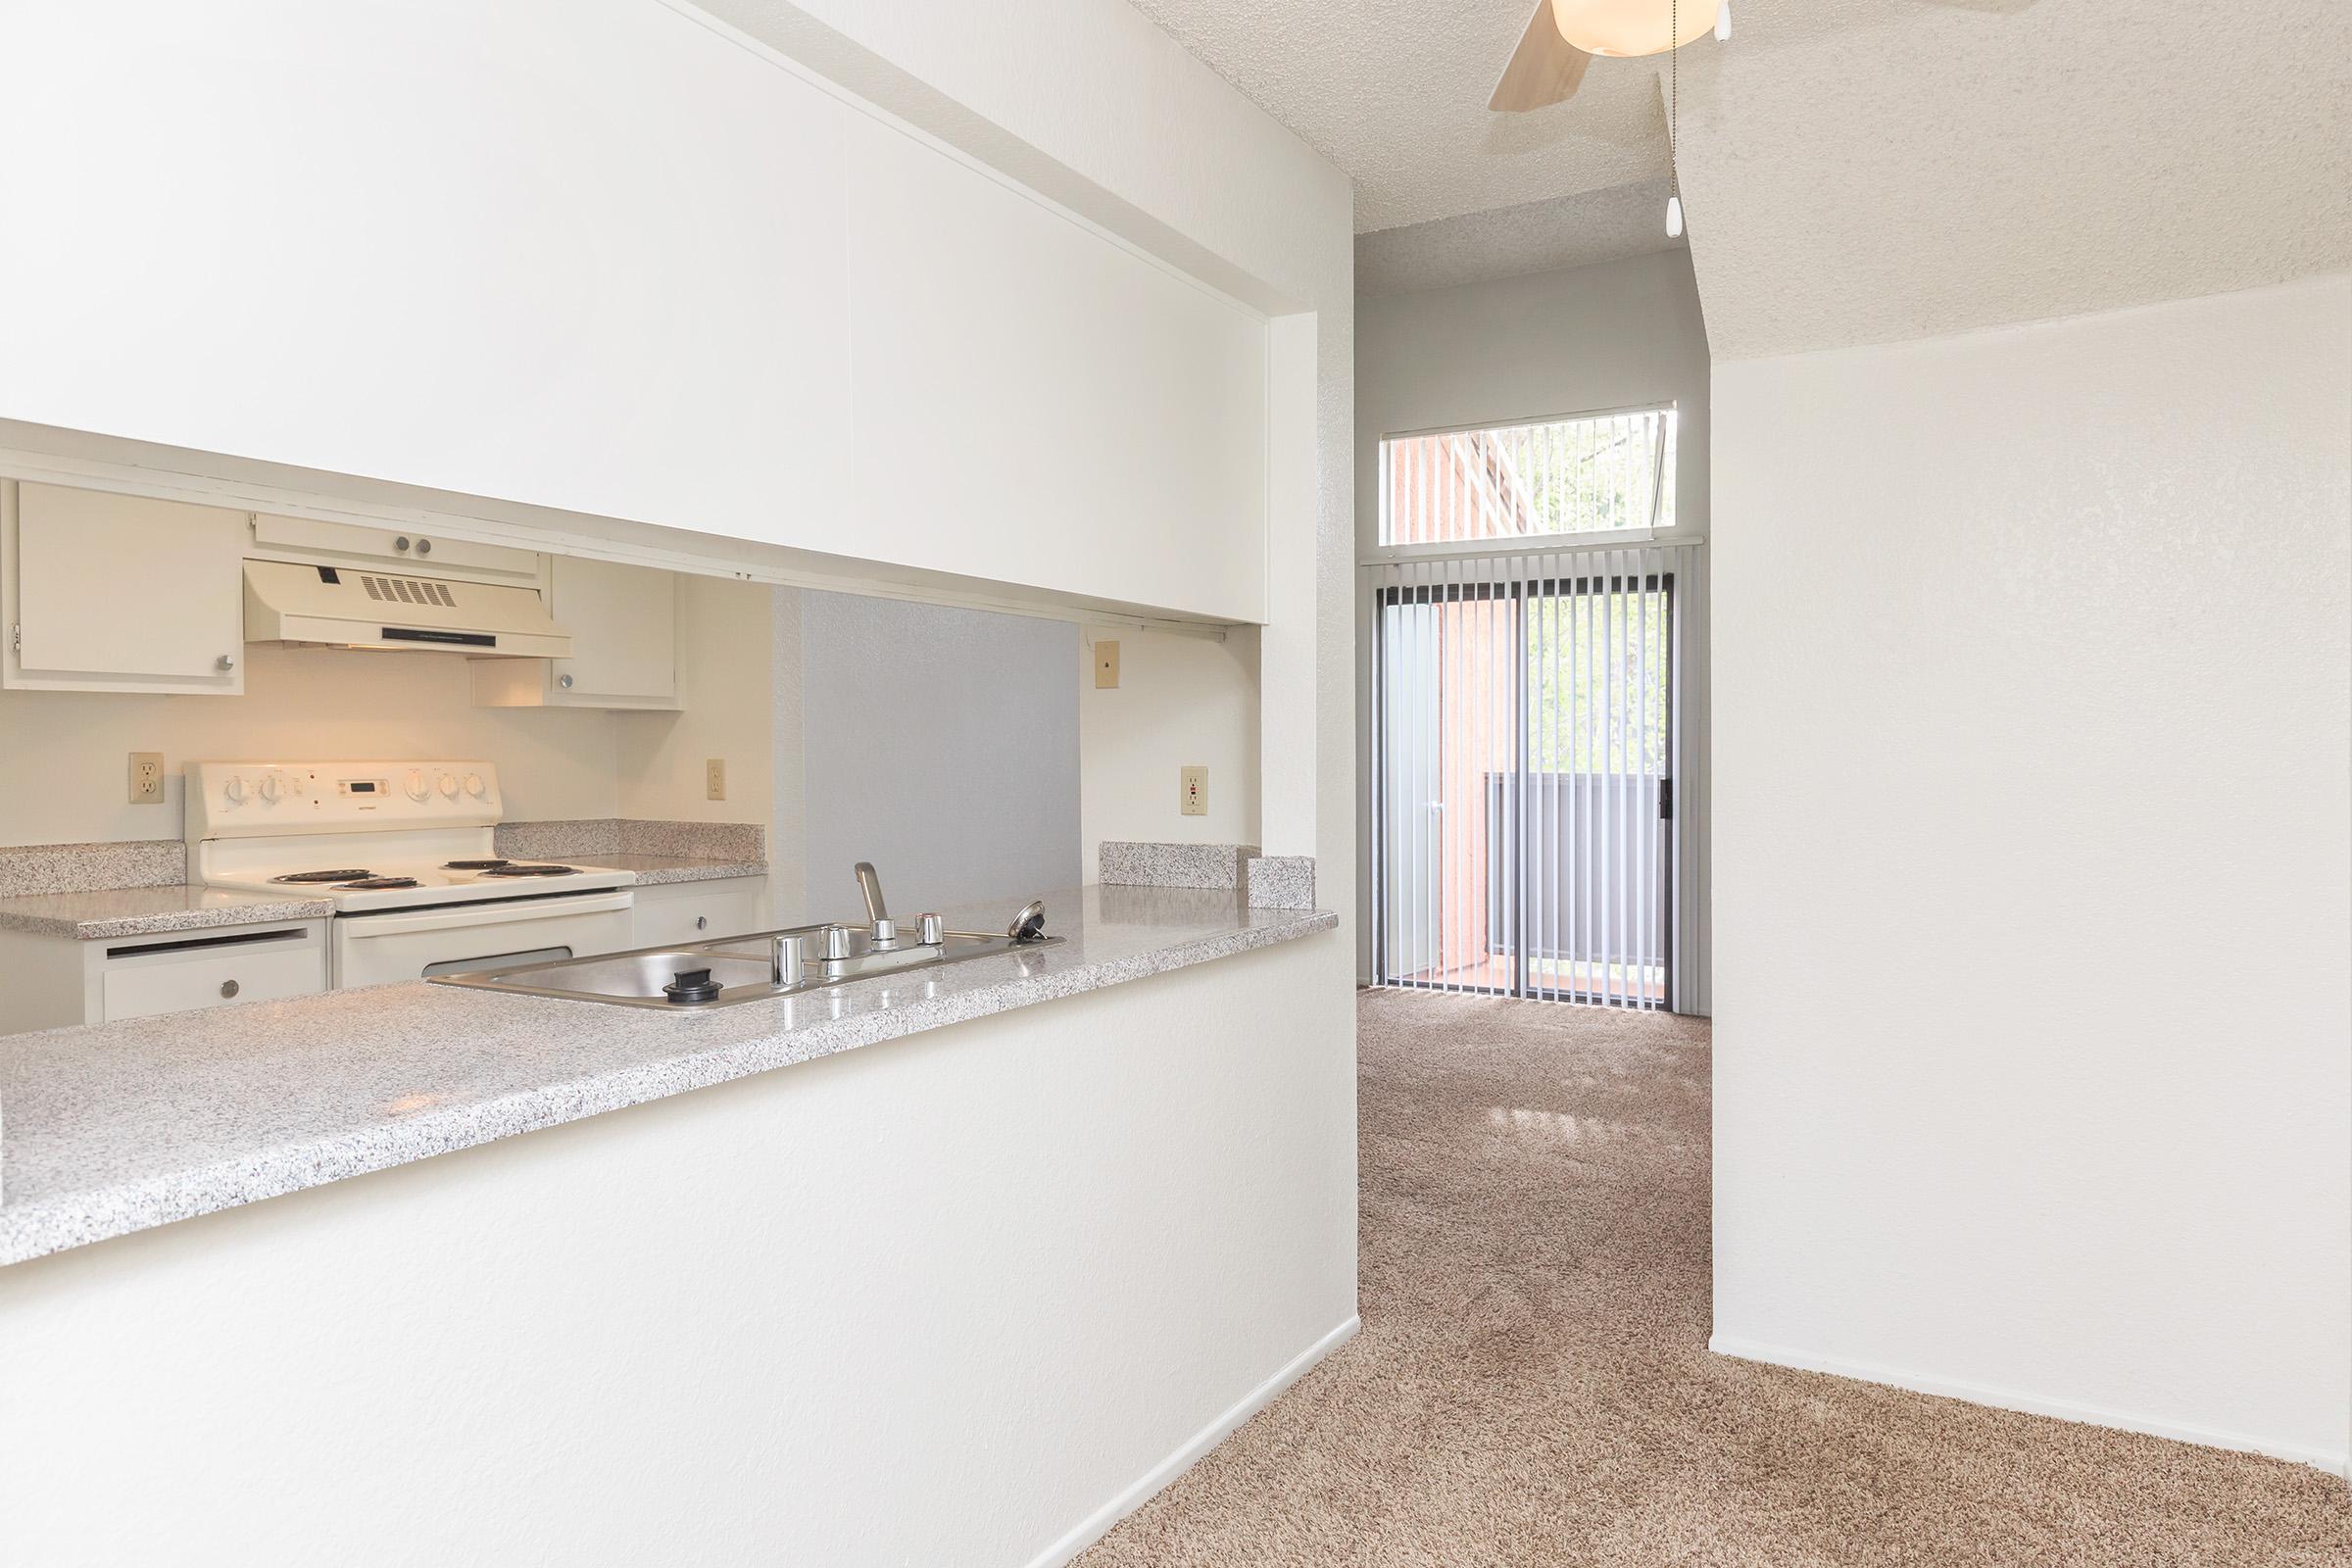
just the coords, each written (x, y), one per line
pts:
(940, 743)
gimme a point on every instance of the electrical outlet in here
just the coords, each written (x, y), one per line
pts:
(146, 778)
(1107, 665)
(1195, 799)
(714, 778)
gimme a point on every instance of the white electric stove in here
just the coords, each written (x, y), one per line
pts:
(404, 852)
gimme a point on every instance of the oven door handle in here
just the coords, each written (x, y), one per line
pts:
(456, 918)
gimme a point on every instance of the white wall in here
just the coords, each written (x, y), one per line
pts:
(1095, 106)
(941, 1301)
(1181, 702)
(1090, 103)
(2032, 1080)
(726, 710)
(940, 743)
(754, 309)
(65, 762)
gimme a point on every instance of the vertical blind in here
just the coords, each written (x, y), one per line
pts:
(1533, 727)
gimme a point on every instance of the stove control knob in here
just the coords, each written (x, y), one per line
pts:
(415, 782)
(476, 787)
(233, 792)
(271, 789)
(449, 786)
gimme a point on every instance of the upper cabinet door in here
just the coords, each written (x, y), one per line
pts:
(624, 622)
(119, 592)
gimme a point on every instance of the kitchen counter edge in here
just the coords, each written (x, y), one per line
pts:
(35, 1228)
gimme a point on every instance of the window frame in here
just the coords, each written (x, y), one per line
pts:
(1374, 551)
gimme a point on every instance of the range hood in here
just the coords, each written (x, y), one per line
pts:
(356, 607)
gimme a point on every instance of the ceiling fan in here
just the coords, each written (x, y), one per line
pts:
(1563, 36)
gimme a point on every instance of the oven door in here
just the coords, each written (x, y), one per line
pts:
(404, 944)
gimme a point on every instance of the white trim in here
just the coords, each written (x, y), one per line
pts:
(2335, 1462)
(1094, 1526)
(1534, 543)
(1516, 421)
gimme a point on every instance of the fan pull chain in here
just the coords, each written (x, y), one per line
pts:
(1674, 119)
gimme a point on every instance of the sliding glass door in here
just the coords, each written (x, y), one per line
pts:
(1526, 720)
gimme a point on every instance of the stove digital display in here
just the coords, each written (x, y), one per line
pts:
(366, 786)
(363, 786)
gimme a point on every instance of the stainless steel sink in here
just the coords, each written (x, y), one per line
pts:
(693, 976)
(624, 976)
(741, 969)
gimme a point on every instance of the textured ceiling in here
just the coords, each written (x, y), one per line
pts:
(1394, 92)
(1854, 170)
(1976, 167)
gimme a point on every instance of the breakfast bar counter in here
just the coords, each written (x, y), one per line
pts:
(114, 1128)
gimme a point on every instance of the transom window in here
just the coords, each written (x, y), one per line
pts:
(1541, 479)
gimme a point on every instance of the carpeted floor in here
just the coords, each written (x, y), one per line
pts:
(1532, 1384)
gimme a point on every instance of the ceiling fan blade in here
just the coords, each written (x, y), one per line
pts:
(1544, 68)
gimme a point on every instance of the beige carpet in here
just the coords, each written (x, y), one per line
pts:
(1532, 1384)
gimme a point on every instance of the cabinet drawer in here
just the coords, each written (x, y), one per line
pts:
(140, 984)
(696, 911)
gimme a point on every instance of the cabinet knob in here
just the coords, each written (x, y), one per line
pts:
(424, 546)
(228, 988)
(401, 543)
(227, 662)
(564, 681)
(701, 922)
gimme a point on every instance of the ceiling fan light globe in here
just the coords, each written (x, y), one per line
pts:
(1625, 29)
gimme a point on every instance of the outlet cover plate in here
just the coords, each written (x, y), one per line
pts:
(146, 778)
(1194, 801)
(714, 778)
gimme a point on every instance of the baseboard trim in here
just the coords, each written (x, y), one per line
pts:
(1094, 1526)
(2336, 1461)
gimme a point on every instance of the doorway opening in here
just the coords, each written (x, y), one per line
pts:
(1532, 716)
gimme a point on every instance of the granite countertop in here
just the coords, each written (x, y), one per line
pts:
(656, 868)
(146, 911)
(105, 1129)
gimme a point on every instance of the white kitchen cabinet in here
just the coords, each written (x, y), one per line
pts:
(624, 622)
(115, 592)
(56, 981)
(670, 913)
(416, 551)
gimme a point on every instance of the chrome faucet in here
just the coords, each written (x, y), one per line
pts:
(886, 930)
(870, 884)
